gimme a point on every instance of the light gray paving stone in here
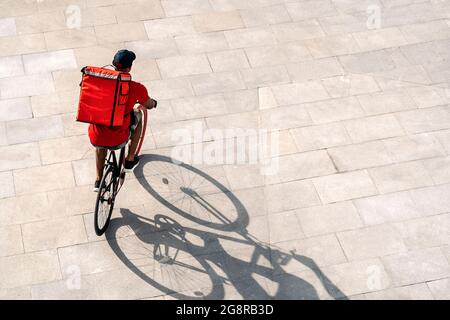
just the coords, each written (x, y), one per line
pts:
(444, 138)
(429, 96)
(142, 10)
(265, 76)
(439, 169)
(55, 103)
(17, 271)
(242, 100)
(329, 218)
(366, 62)
(84, 171)
(344, 186)
(169, 27)
(3, 137)
(10, 241)
(422, 32)
(417, 266)
(15, 109)
(243, 38)
(49, 61)
(253, 200)
(304, 165)
(402, 77)
(432, 200)
(19, 156)
(413, 147)
(170, 89)
(279, 54)
(322, 251)
(310, 9)
(430, 119)
(202, 42)
(55, 233)
(6, 184)
(92, 257)
(267, 15)
(334, 110)
(235, 125)
(11, 66)
(425, 232)
(418, 291)
(358, 277)
(360, 156)
(385, 102)
(66, 289)
(94, 16)
(299, 92)
(28, 130)
(374, 241)
(198, 107)
(18, 8)
(379, 39)
(22, 44)
(373, 128)
(349, 6)
(320, 137)
(65, 149)
(422, 53)
(46, 178)
(285, 117)
(145, 70)
(178, 66)
(316, 69)
(228, 60)
(293, 31)
(22, 209)
(334, 45)
(8, 27)
(71, 126)
(217, 21)
(23, 86)
(284, 226)
(226, 5)
(280, 198)
(344, 23)
(166, 134)
(126, 31)
(385, 208)
(151, 49)
(18, 293)
(72, 38)
(216, 82)
(67, 81)
(244, 176)
(183, 8)
(350, 85)
(401, 176)
(440, 289)
(41, 22)
(63, 203)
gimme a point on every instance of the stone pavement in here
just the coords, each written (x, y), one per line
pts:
(358, 206)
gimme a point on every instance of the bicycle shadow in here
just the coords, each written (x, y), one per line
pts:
(160, 252)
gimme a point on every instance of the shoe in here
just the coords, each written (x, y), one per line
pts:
(96, 186)
(130, 165)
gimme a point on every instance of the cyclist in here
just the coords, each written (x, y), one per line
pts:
(103, 137)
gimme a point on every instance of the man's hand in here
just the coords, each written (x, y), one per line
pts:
(150, 104)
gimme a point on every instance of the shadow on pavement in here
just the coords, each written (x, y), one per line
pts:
(191, 262)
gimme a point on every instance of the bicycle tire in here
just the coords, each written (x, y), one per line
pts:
(107, 184)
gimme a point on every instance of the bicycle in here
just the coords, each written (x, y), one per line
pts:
(111, 183)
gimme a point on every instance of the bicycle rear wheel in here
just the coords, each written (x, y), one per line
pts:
(105, 201)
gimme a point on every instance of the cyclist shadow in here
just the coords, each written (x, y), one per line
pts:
(159, 250)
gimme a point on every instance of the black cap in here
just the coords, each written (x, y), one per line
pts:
(123, 59)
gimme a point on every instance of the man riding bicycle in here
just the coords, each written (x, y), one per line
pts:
(103, 137)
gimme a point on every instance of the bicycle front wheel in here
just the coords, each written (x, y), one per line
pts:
(105, 201)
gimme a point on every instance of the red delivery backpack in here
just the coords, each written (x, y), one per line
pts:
(103, 96)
